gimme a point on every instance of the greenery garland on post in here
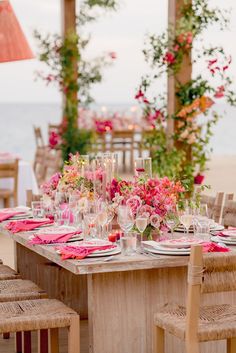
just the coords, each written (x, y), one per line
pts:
(165, 53)
(61, 55)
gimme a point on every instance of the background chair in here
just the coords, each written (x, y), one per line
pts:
(38, 137)
(9, 171)
(194, 324)
(229, 214)
(214, 205)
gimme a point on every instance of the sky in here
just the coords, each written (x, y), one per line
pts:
(122, 31)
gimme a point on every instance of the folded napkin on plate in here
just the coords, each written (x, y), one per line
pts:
(6, 215)
(53, 237)
(26, 225)
(213, 247)
(80, 252)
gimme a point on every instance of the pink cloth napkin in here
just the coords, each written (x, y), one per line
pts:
(52, 238)
(80, 252)
(26, 225)
(5, 215)
(213, 247)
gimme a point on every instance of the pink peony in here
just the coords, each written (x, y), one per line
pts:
(134, 203)
(155, 220)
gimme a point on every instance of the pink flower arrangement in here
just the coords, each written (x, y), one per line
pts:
(152, 198)
(103, 126)
(49, 188)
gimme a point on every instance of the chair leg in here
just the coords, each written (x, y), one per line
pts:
(74, 335)
(18, 342)
(54, 344)
(43, 341)
(158, 340)
(27, 342)
(231, 345)
(192, 347)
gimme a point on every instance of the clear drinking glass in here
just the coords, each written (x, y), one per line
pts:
(143, 167)
(102, 216)
(125, 218)
(37, 209)
(203, 230)
(141, 224)
(128, 244)
(186, 217)
(172, 221)
(90, 224)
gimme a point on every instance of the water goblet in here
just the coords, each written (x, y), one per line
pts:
(141, 223)
(125, 218)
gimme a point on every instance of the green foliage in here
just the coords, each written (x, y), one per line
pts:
(73, 74)
(166, 53)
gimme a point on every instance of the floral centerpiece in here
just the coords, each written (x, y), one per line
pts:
(152, 198)
(75, 178)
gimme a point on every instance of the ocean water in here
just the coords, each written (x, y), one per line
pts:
(17, 121)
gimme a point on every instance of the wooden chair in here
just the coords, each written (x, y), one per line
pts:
(38, 137)
(214, 205)
(123, 141)
(194, 324)
(41, 314)
(47, 162)
(7, 273)
(229, 214)
(54, 128)
(9, 171)
(31, 197)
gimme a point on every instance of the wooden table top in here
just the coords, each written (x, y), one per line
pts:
(90, 266)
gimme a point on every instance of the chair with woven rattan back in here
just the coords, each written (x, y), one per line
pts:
(9, 170)
(38, 137)
(39, 164)
(214, 205)
(215, 272)
(229, 214)
(30, 197)
(43, 315)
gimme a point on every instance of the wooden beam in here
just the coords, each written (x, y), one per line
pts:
(68, 8)
(185, 72)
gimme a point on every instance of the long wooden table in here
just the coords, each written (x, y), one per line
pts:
(118, 297)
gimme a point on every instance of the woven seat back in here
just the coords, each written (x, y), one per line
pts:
(214, 205)
(229, 214)
(219, 272)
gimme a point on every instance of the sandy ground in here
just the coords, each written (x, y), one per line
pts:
(221, 176)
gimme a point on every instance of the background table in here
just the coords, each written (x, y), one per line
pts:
(26, 181)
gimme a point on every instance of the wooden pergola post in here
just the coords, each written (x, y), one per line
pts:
(183, 76)
(68, 10)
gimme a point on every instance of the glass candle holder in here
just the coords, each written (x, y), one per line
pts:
(143, 167)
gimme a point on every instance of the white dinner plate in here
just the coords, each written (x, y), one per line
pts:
(163, 251)
(215, 228)
(229, 233)
(227, 241)
(108, 252)
(56, 229)
(179, 243)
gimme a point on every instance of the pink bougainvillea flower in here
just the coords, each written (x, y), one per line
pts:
(113, 55)
(54, 139)
(189, 38)
(176, 47)
(169, 58)
(139, 95)
(220, 92)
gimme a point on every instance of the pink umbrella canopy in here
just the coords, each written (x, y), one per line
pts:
(13, 44)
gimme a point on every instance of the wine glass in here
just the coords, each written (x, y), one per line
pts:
(186, 218)
(102, 215)
(125, 218)
(141, 223)
(172, 221)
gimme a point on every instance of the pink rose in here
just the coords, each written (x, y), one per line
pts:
(155, 220)
(145, 209)
(134, 203)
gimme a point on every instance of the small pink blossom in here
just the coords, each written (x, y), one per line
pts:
(134, 203)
